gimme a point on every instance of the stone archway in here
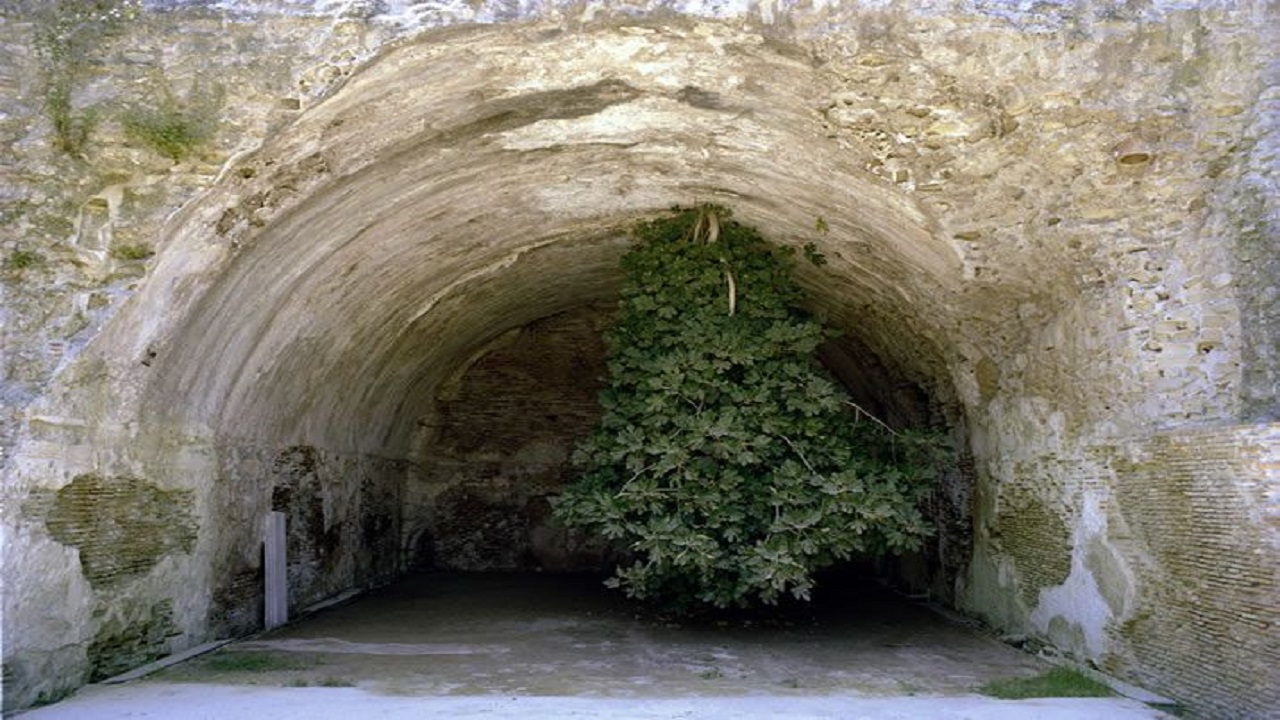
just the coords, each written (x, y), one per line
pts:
(309, 310)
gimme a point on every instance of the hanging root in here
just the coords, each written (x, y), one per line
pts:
(733, 290)
(712, 219)
(707, 229)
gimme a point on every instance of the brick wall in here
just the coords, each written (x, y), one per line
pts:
(1201, 511)
(497, 450)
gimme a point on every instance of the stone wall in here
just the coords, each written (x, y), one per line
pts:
(1056, 222)
(1205, 612)
(1153, 559)
(495, 452)
(145, 551)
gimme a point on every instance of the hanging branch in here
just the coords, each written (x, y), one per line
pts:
(803, 459)
(862, 411)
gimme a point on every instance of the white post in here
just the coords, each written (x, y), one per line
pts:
(274, 568)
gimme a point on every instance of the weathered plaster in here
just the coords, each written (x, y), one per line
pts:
(1079, 603)
(380, 205)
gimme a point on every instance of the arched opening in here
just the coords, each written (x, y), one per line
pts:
(384, 323)
(403, 324)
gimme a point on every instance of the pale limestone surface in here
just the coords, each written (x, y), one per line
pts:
(205, 701)
(385, 199)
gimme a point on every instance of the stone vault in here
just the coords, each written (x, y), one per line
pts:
(1025, 243)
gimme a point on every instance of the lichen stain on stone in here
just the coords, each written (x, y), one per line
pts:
(122, 526)
(987, 373)
(507, 114)
(235, 605)
(136, 637)
(1070, 634)
(1258, 266)
(313, 540)
(255, 209)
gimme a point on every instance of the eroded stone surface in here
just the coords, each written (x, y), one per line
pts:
(1051, 226)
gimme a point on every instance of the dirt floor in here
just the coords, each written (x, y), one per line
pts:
(562, 646)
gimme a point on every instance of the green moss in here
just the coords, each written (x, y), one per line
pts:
(136, 638)
(67, 35)
(11, 212)
(49, 697)
(1058, 682)
(71, 128)
(173, 135)
(172, 127)
(245, 661)
(54, 225)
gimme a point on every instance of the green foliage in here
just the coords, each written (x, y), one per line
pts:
(22, 259)
(726, 460)
(1058, 682)
(136, 251)
(813, 255)
(67, 35)
(174, 128)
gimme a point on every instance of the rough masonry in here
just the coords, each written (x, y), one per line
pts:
(1051, 228)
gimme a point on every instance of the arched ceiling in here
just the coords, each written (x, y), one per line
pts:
(473, 181)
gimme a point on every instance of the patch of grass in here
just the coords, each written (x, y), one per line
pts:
(255, 662)
(1058, 682)
(331, 682)
(136, 251)
(909, 688)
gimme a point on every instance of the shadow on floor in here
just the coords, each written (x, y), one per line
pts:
(446, 634)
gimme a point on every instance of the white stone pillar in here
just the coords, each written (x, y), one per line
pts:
(274, 569)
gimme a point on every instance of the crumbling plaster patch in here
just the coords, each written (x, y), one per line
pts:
(1080, 604)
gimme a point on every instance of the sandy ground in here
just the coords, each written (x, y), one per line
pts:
(502, 646)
